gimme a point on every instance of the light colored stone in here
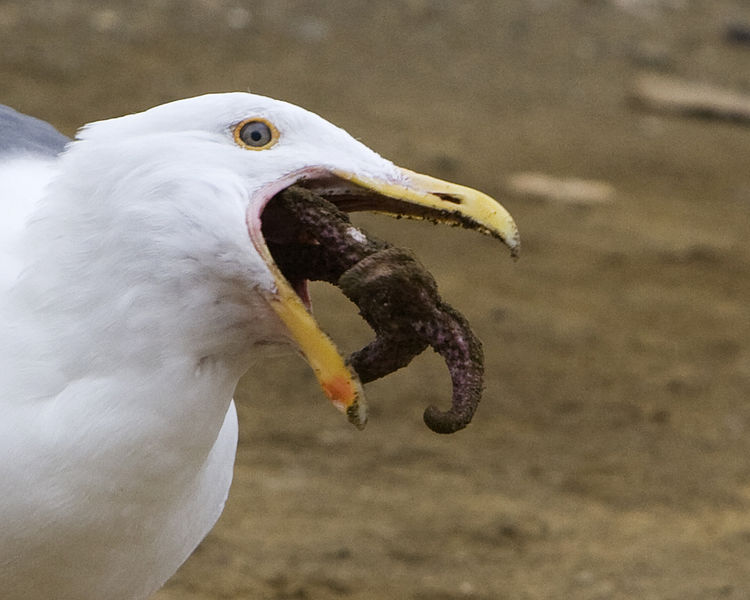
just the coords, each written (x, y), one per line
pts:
(669, 94)
(569, 190)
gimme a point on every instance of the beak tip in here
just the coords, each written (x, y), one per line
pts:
(346, 394)
(515, 248)
(511, 238)
(357, 414)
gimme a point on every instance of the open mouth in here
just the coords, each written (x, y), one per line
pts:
(311, 245)
(304, 234)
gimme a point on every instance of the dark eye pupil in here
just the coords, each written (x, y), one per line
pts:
(256, 134)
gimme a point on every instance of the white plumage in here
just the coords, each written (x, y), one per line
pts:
(133, 291)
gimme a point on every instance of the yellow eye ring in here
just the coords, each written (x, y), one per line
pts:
(255, 134)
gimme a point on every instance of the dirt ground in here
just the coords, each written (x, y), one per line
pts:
(610, 457)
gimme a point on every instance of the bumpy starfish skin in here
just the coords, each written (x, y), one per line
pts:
(394, 293)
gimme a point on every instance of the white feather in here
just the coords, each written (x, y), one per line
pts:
(130, 305)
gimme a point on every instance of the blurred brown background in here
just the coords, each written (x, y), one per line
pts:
(610, 456)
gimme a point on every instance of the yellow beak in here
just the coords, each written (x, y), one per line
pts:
(418, 196)
(411, 195)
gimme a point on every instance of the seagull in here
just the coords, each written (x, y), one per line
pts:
(136, 287)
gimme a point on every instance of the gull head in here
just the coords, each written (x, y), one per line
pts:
(180, 190)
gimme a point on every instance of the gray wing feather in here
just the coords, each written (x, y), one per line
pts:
(21, 134)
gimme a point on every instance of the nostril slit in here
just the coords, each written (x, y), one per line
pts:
(448, 197)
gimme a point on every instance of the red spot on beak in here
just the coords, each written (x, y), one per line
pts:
(339, 390)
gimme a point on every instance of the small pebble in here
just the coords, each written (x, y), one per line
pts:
(561, 190)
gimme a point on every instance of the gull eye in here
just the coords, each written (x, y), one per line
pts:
(256, 134)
